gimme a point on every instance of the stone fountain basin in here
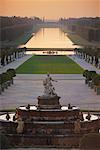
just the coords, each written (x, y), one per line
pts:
(63, 108)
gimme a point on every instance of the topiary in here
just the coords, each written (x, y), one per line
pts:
(4, 77)
(85, 73)
(89, 74)
(12, 72)
(96, 80)
(93, 74)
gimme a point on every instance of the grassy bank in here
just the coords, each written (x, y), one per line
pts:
(52, 64)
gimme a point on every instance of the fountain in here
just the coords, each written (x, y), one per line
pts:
(48, 124)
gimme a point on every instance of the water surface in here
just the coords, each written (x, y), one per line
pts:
(50, 38)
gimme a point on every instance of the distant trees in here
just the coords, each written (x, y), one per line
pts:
(12, 27)
(9, 55)
(88, 28)
(13, 21)
(90, 55)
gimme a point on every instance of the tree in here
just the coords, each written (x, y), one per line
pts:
(89, 75)
(96, 80)
(12, 73)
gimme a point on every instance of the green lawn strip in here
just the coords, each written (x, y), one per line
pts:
(53, 64)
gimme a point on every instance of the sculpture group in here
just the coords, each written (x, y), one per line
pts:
(49, 89)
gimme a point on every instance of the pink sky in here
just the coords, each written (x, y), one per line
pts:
(50, 9)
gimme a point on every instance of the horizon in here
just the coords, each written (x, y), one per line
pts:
(50, 18)
(50, 9)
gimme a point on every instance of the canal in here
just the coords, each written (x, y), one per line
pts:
(50, 38)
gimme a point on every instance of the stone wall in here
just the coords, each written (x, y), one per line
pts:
(44, 141)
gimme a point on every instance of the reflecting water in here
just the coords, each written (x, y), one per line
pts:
(50, 38)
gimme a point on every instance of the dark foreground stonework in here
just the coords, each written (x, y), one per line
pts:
(48, 126)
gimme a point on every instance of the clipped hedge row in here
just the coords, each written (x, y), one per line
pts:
(6, 79)
(93, 80)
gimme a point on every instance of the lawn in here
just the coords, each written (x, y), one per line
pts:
(53, 64)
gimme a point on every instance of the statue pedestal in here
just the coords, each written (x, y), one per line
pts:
(49, 102)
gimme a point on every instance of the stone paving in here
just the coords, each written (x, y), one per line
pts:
(27, 88)
(70, 91)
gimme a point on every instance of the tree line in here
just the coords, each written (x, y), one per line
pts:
(12, 27)
(9, 55)
(91, 55)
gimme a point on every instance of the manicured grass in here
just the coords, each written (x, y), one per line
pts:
(53, 64)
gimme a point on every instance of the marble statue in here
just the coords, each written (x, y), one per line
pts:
(49, 90)
(77, 126)
(20, 126)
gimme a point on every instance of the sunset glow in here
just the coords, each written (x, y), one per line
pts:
(50, 9)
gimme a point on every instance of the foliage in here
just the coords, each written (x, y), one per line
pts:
(4, 77)
(14, 27)
(96, 80)
(89, 74)
(12, 72)
(85, 73)
(7, 76)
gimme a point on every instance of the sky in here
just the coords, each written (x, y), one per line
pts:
(50, 9)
